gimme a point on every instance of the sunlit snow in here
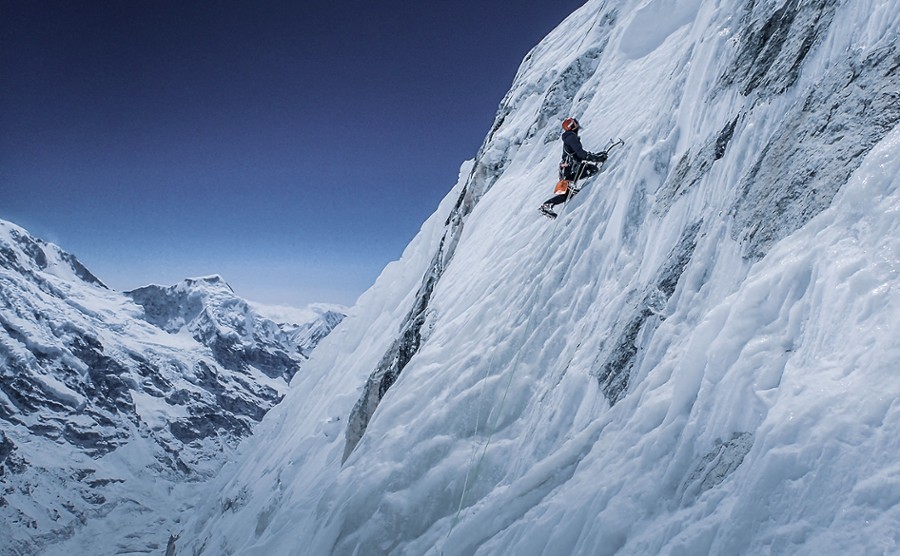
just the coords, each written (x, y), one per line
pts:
(699, 356)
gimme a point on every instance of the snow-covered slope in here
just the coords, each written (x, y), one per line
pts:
(111, 403)
(699, 356)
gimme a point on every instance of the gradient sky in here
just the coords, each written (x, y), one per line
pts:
(293, 147)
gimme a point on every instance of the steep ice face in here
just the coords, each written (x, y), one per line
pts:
(682, 363)
(109, 408)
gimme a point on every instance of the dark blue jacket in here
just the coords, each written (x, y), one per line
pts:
(572, 146)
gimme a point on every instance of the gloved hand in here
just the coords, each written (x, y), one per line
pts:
(600, 156)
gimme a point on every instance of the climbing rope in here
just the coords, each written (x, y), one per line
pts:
(473, 473)
(591, 28)
(499, 408)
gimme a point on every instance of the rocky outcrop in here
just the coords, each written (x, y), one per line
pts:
(618, 358)
(820, 143)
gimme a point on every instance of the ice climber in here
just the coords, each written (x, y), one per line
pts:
(576, 164)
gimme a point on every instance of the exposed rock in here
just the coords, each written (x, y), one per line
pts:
(718, 464)
(693, 168)
(823, 139)
(618, 359)
(773, 46)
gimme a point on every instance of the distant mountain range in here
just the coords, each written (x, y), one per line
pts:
(108, 399)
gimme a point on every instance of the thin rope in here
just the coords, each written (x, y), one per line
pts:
(528, 325)
(499, 408)
(596, 17)
(475, 448)
(512, 374)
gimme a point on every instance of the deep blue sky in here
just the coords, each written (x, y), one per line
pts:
(293, 147)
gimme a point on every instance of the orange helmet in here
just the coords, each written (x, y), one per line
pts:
(570, 124)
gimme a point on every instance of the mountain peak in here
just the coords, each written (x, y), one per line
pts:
(30, 256)
(212, 280)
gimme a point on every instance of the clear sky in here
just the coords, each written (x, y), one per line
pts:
(294, 147)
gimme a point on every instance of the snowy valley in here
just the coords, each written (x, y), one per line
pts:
(114, 406)
(698, 356)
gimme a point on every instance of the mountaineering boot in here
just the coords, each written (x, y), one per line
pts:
(547, 210)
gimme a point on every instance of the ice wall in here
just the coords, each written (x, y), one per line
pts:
(696, 357)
